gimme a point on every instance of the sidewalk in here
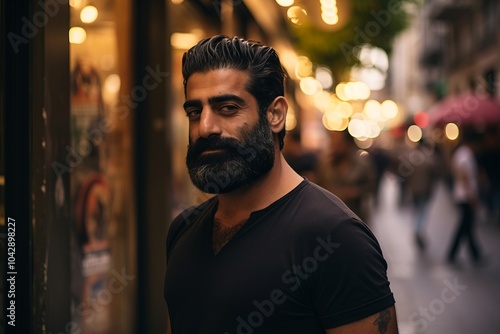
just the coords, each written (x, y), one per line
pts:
(431, 296)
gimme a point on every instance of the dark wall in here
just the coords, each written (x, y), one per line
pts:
(153, 168)
(36, 106)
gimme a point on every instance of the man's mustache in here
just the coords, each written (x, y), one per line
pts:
(212, 143)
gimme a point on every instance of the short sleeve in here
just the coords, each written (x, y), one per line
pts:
(351, 283)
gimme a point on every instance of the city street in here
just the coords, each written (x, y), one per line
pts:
(433, 297)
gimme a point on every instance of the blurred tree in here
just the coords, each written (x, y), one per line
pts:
(374, 22)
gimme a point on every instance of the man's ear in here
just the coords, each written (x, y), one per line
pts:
(276, 114)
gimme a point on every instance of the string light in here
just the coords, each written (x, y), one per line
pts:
(329, 12)
(285, 3)
(89, 14)
(77, 35)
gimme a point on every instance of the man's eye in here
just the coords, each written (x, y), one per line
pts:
(228, 108)
(193, 114)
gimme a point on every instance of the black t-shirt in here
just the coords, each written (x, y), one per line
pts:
(303, 264)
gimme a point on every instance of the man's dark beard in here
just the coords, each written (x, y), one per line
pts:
(238, 164)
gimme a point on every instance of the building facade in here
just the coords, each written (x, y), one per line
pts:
(92, 160)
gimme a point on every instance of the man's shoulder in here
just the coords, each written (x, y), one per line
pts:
(316, 209)
(318, 204)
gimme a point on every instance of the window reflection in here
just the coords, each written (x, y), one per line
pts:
(100, 158)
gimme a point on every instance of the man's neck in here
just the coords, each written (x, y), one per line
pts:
(239, 204)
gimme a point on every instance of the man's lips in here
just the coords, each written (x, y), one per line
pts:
(212, 151)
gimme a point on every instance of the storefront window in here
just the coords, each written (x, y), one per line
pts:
(103, 247)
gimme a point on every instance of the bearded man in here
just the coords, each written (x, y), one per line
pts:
(271, 252)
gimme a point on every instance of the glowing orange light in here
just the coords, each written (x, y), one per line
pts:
(421, 119)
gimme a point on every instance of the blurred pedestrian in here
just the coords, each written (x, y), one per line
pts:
(349, 173)
(489, 162)
(381, 160)
(271, 252)
(466, 194)
(302, 160)
(398, 164)
(421, 184)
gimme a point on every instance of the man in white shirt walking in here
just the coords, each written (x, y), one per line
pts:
(466, 194)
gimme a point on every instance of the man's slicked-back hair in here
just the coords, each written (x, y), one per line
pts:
(266, 74)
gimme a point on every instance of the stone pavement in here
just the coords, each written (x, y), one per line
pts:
(431, 296)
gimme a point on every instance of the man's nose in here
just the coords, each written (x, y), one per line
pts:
(209, 124)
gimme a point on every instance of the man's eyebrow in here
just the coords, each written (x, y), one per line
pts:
(214, 100)
(225, 98)
(191, 103)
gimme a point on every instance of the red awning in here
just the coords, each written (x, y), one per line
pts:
(465, 109)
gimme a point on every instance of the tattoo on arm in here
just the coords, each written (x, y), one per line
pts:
(382, 321)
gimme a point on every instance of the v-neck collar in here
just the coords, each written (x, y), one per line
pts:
(252, 219)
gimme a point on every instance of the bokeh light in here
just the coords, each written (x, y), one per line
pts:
(340, 90)
(414, 133)
(296, 14)
(329, 12)
(389, 109)
(357, 128)
(77, 35)
(372, 76)
(183, 41)
(359, 90)
(421, 119)
(451, 131)
(291, 122)
(374, 64)
(112, 83)
(345, 109)
(354, 90)
(310, 86)
(373, 110)
(363, 144)
(77, 3)
(89, 14)
(285, 3)
(330, 19)
(303, 68)
(111, 88)
(324, 101)
(324, 76)
(334, 121)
